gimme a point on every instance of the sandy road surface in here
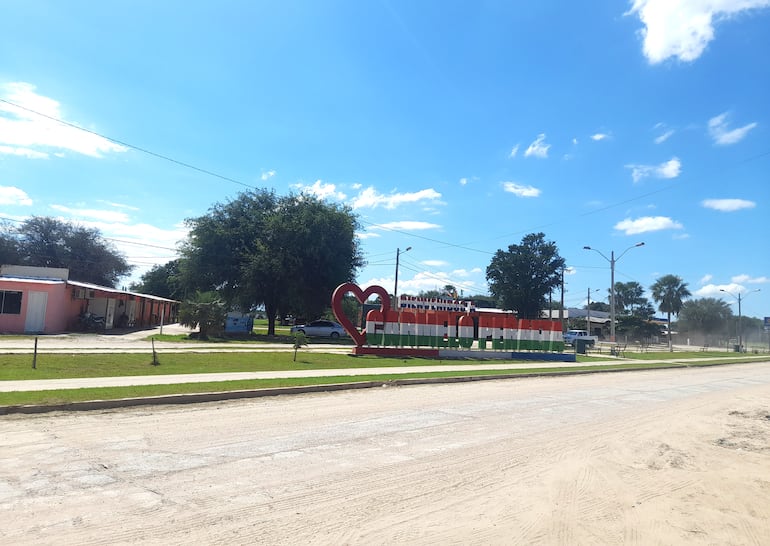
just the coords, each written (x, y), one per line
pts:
(660, 457)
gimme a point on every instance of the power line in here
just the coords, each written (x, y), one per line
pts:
(132, 146)
(394, 230)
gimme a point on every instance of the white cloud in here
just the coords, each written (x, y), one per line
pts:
(463, 181)
(750, 280)
(682, 29)
(23, 152)
(728, 205)
(321, 190)
(667, 169)
(356, 186)
(538, 148)
(370, 198)
(112, 216)
(406, 225)
(646, 224)
(521, 191)
(729, 291)
(575, 141)
(367, 235)
(434, 263)
(11, 195)
(119, 205)
(431, 280)
(724, 136)
(715, 290)
(267, 175)
(514, 151)
(23, 132)
(664, 137)
(705, 279)
(599, 136)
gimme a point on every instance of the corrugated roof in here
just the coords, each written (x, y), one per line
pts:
(33, 280)
(116, 291)
(91, 286)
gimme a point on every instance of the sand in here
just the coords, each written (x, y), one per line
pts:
(657, 457)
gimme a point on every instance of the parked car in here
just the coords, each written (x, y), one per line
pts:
(320, 328)
(571, 335)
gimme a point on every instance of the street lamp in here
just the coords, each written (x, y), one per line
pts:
(395, 284)
(740, 323)
(588, 311)
(612, 259)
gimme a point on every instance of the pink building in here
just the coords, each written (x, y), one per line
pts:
(41, 300)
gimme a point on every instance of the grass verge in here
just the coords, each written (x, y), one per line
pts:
(64, 396)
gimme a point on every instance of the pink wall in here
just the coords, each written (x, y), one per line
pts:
(63, 310)
(56, 306)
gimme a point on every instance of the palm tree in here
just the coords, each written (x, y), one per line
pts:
(627, 296)
(668, 292)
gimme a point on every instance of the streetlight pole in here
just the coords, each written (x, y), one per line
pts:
(612, 261)
(395, 284)
(588, 312)
(740, 322)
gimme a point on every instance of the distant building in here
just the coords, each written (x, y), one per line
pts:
(42, 300)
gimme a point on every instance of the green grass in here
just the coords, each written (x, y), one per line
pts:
(63, 396)
(60, 366)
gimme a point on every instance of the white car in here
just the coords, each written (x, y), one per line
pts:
(570, 336)
(320, 328)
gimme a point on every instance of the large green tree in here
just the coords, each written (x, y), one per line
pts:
(669, 292)
(48, 242)
(521, 277)
(287, 253)
(9, 243)
(628, 295)
(705, 316)
(161, 280)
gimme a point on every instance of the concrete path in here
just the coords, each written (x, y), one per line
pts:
(125, 381)
(137, 342)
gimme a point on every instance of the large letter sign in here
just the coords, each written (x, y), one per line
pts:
(434, 328)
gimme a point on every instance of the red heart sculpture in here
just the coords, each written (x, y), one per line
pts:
(361, 296)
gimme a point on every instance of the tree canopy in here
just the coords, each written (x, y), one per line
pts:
(669, 292)
(161, 280)
(705, 316)
(287, 253)
(48, 242)
(521, 277)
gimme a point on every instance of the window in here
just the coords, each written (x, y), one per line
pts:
(10, 302)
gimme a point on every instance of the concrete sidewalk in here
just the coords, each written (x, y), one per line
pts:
(138, 342)
(125, 381)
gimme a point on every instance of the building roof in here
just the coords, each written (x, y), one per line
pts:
(58, 280)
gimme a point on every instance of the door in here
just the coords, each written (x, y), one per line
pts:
(36, 306)
(131, 312)
(109, 315)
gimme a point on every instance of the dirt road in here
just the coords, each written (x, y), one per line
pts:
(664, 457)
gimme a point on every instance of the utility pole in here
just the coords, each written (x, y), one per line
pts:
(613, 261)
(395, 283)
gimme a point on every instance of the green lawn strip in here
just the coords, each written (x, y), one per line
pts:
(65, 366)
(667, 355)
(63, 396)
(256, 337)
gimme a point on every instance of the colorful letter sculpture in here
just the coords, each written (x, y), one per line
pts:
(435, 328)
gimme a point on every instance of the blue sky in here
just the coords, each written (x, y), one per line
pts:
(453, 128)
